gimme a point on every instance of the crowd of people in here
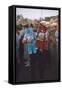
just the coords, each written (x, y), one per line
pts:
(35, 47)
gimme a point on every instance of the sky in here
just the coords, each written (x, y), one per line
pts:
(35, 13)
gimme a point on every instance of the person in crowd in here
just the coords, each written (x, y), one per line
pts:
(57, 48)
(21, 45)
(53, 52)
(29, 44)
(41, 41)
(42, 52)
(17, 45)
(57, 35)
(20, 66)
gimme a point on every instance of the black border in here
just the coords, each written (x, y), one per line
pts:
(14, 43)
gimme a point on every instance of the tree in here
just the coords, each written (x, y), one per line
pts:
(19, 16)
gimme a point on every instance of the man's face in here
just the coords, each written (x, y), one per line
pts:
(42, 31)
